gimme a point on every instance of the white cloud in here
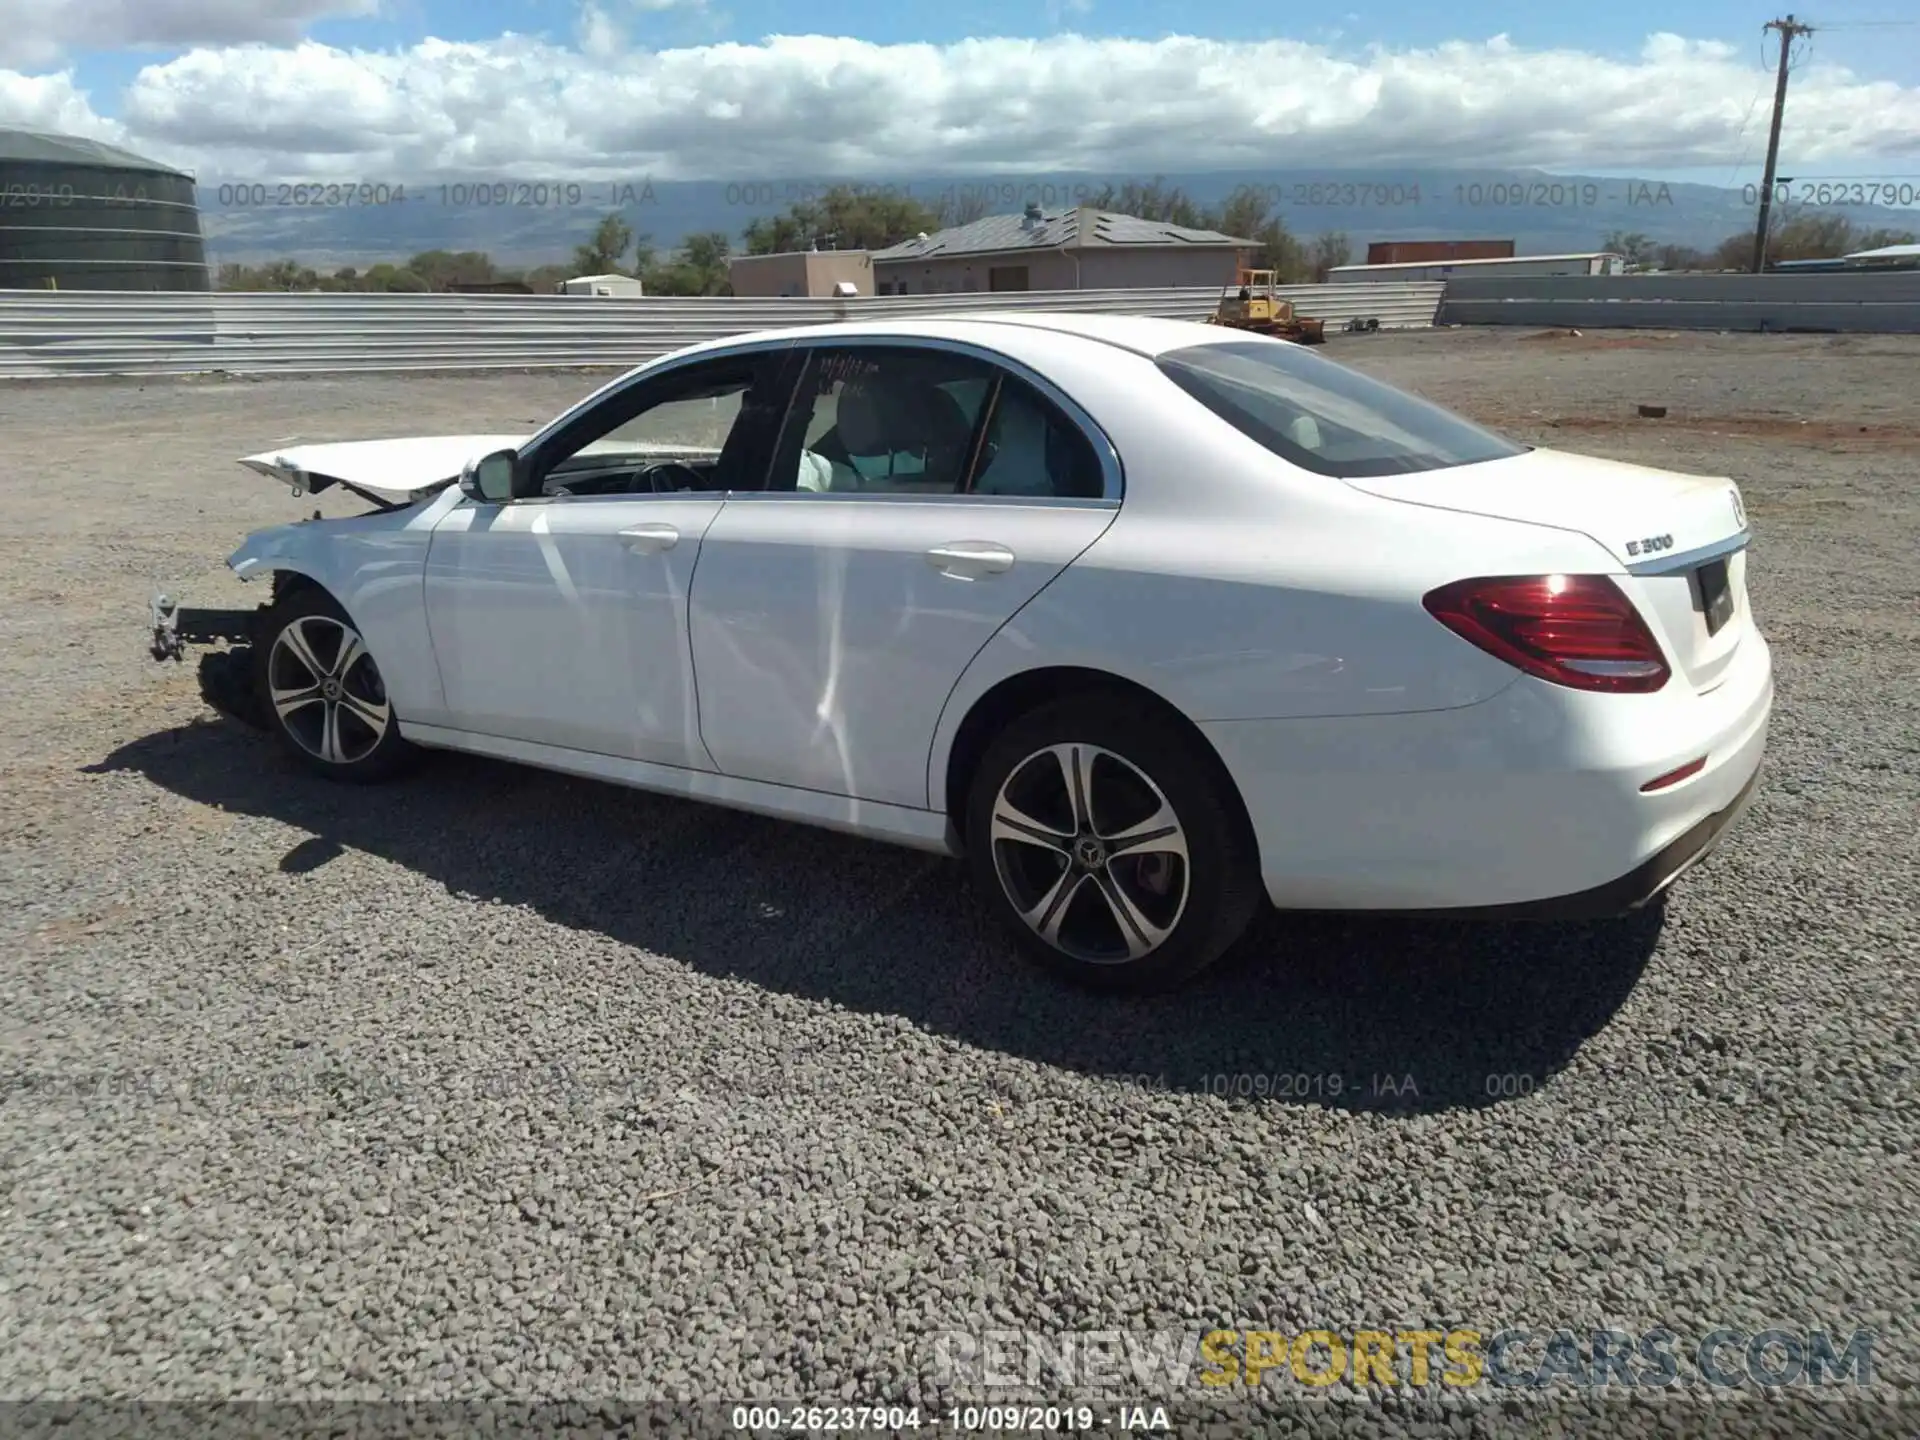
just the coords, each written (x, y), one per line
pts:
(38, 32)
(599, 34)
(53, 102)
(819, 105)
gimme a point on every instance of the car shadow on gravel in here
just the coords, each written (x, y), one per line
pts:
(1401, 1016)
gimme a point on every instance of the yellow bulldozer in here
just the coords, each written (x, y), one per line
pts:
(1252, 302)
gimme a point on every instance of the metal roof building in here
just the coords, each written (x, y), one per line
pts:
(1077, 249)
(1599, 262)
(77, 214)
(1897, 255)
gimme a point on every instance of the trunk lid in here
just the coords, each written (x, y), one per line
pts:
(1678, 537)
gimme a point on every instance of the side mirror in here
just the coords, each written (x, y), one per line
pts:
(490, 478)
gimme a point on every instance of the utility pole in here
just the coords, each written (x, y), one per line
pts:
(1788, 28)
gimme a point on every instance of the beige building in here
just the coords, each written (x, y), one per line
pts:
(801, 272)
(1081, 249)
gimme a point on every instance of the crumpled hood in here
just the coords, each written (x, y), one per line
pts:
(400, 472)
(390, 472)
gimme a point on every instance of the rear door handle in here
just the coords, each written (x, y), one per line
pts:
(650, 539)
(970, 559)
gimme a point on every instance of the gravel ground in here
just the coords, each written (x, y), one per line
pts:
(500, 1084)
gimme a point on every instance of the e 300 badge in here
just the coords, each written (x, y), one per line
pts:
(1652, 545)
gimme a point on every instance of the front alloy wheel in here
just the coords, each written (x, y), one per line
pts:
(1090, 853)
(323, 694)
(327, 691)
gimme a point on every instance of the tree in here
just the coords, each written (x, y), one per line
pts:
(1733, 253)
(1154, 200)
(1682, 257)
(1331, 249)
(545, 279)
(441, 268)
(1281, 252)
(847, 217)
(1812, 236)
(1636, 249)
(606, 248)
(388, 277)
(958, 206)
(1243, 215)
(699, 269)
(705, 258)
(1801, 234)
(1880, 239)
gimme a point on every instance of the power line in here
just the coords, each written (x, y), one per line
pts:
(1788, 28)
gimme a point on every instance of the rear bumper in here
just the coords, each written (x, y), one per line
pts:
(1632, 891)
(1527, 804)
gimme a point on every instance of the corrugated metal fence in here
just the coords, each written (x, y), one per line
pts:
(46, 333)
(1864, 303)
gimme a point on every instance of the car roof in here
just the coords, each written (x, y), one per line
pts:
(1141, 334)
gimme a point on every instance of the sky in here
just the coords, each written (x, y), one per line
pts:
(371, 90)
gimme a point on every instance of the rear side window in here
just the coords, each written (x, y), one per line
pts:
(1324, 417)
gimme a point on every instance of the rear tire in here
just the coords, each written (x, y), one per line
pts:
(321, 693)
(1145, 881)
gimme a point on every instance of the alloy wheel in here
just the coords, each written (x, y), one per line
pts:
(327, 691)
(1090, 853)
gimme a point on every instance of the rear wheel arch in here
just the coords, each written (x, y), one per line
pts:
(1027, 691)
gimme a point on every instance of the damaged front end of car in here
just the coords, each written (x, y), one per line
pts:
(229, 677)
(384, 473)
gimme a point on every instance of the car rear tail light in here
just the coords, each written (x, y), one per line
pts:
(1575, 630)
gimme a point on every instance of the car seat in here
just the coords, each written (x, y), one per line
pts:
(882, 419)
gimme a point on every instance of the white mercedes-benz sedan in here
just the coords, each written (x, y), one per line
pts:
(1152, 622)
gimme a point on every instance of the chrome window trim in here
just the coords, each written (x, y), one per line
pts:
(915, 497)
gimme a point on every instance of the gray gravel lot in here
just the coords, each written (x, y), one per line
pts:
(502, 1084)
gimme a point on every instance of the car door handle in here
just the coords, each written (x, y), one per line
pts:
(650, 539)
(970, 559)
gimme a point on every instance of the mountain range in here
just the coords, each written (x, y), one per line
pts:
(522, 222)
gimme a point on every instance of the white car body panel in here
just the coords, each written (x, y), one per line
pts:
(372, 564)
(896, 824)
(1647, 520)
(827, 641)
(551, 627)
(1533, 793)
(801, 656)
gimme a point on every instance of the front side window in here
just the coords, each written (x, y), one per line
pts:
(681, 431)
(904, 421)
(1324, 417)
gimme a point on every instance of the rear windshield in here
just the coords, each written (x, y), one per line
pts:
(1324, 417)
